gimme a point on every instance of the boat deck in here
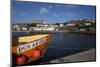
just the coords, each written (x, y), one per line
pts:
(31, 38)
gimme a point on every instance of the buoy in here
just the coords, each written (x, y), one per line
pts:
(20, 60)
(37, 54)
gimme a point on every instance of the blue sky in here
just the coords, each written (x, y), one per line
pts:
(26, 12)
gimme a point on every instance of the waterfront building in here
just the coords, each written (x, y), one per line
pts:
(71, 25)
(24, 29)
(43, 29)
(82, 29)
(16, 28)
(61, 25)
(88, 23)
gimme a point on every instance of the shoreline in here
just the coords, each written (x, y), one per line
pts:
(50, 32)
(88, 33)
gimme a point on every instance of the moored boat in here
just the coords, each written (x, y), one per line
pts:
(27, 49)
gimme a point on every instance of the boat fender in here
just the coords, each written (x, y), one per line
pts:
(21, 60)
(37, 54)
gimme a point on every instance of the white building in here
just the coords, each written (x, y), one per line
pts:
(24, 28)
(71, 25)
(61, 25)
(43, 27)
(88, 24)
(16, 27)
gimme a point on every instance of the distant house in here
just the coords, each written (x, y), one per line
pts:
(71, 25)
(43, 27)
(24, 29)
(88, 24)
(31, 29)
(82, 29)
(16, 28)
(61, 25)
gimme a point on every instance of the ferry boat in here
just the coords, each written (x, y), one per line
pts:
(28, 49)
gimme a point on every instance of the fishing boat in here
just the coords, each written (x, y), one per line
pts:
(27, 49)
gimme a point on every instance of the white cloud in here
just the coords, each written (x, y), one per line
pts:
(43, 10)
(55, 15)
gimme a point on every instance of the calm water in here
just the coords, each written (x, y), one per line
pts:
(64, 44)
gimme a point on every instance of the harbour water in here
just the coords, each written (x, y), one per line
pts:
(65, 44)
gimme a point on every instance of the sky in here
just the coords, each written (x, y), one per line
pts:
(26, 12)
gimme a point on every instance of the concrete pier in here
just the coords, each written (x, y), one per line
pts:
(89, 55)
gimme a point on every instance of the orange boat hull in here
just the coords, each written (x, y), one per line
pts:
(32, 53)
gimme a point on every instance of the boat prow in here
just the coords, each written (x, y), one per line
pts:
(30, 48)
